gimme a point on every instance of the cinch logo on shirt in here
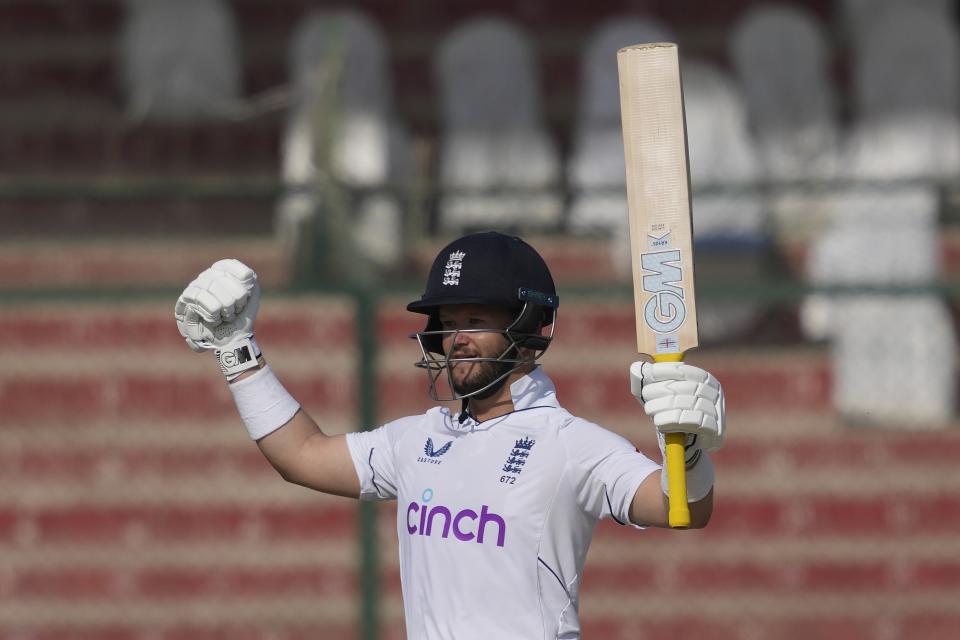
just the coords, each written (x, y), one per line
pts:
(466, 525)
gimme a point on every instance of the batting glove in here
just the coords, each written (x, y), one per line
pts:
(217, 311)
(681, 398)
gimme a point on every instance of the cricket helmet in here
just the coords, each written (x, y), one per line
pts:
(488, 268)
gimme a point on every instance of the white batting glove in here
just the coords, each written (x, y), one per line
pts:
(681, 398)
(217, 311)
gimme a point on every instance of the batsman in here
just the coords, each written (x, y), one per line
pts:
(496, 503)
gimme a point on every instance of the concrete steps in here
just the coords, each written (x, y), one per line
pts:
(132, 264)
(99, 259)
(133, 504)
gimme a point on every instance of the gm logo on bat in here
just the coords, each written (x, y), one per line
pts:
(664, 311)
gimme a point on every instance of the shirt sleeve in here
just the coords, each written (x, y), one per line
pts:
(608, 468)
(373, 457)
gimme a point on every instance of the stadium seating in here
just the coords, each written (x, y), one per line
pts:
(343, 128)
(180, 60)
(882, 229)
(133, 506)
(498, 166)
(595, 169)
(783, 63)
(730, 214)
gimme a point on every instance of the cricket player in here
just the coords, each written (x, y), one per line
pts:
(496, 503)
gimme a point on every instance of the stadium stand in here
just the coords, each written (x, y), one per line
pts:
(498, 165)
(343, 132)
(731, 226)
(595, 169)
(783, 63)
(132, 505)
(884, 230)
(180, 61)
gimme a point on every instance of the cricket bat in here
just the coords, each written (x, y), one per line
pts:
(661, 228)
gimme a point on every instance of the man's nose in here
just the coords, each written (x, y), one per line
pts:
(461, 339)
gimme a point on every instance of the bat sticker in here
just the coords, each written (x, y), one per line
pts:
(668, 344)
(664, 311)
(658, 242)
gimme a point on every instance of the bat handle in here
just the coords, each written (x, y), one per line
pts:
(677, 481)
(679, 514)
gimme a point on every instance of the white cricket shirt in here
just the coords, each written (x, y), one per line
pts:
(495, 517)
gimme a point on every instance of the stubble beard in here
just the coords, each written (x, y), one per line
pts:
(483, 374)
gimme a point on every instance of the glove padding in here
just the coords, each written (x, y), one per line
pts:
(219, 307)
(681, 398)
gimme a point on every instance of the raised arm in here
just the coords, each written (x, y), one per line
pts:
(651, 507)
(216, 312)
(686, 399)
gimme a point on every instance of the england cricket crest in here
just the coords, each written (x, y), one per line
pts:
(451, 272)
(518, 455)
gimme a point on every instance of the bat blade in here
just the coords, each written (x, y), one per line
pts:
(658, 198)
(661, 226)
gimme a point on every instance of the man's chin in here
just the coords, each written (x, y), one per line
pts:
(464, 388)
(471, 384)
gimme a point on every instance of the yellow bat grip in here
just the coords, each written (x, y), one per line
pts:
(677, 481)
(679, 514)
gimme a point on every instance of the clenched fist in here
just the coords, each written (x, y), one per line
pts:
(217, 311)
(219, 306)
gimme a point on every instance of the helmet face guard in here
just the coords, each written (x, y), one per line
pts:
(519, 335)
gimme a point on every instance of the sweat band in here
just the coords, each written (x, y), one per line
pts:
(699, 478)
(263, 403)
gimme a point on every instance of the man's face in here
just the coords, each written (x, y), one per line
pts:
(468, 377)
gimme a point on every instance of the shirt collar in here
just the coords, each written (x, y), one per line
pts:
(535, 389)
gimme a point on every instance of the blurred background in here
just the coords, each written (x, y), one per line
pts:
(336, 148)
